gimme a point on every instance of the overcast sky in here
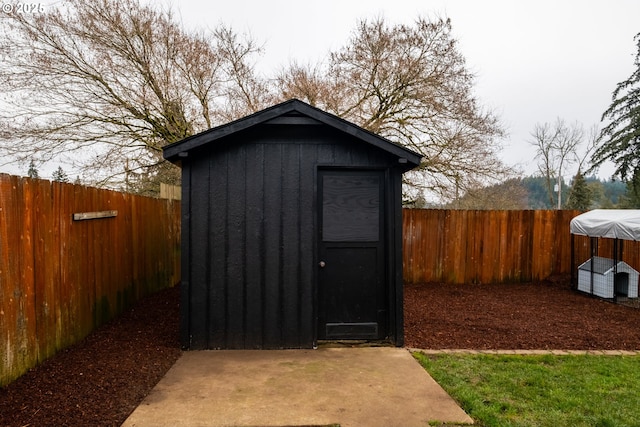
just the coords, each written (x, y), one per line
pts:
(534, 60)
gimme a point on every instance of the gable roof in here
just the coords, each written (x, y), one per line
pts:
(293, 111)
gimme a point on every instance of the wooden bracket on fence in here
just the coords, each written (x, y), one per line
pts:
(94, 215)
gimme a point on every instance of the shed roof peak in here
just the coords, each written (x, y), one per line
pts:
(292, 112)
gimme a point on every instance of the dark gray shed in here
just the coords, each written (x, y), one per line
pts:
(291, 231)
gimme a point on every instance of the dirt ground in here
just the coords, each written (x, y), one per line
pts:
(102, 379)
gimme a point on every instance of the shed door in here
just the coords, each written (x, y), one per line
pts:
(351, 269)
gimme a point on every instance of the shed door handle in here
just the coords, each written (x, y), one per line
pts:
(322, 264)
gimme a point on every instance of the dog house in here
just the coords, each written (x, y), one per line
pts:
(291, 232)
(606, 277)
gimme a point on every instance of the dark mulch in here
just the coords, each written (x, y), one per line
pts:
(545, 315)
(102, 379)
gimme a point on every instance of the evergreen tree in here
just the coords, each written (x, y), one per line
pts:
(621, 137)
(631, 199)
(33, 171)
(580, 195)
(613, 190)
(60, 175)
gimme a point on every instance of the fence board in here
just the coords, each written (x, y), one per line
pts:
(457, 246)
(60, 278)
(27, 322)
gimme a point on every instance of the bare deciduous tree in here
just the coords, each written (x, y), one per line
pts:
(411, 85)
(108, 83)
(556, 147)
(245, 91)
(583, 154)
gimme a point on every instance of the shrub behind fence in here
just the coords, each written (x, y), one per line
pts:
(61, 278)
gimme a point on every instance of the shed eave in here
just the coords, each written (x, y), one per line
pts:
(179, 150)
(173, 152)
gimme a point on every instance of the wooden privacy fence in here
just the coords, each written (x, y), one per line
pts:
(62, 277)
(457, 246)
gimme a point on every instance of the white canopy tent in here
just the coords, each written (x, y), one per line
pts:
(612, 223)
(600, 276)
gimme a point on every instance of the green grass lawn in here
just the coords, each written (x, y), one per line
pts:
(546, 390)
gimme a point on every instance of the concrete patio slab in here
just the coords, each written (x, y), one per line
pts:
(373, 387)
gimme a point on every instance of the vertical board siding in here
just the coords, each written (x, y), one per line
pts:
(235, 244)
(252, 237)
(272, 243)
(185, 256)
(457, 246)
(396, 288)
(257, 239)
(291, 235)
(254, 247)
(60, 279)
(307, 246)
